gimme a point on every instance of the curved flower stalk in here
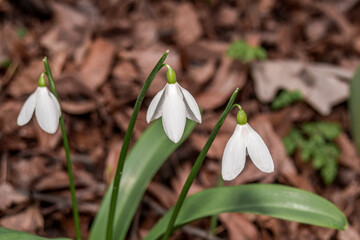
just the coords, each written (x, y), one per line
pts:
(46, 108)
(245, 140)
(174, 104)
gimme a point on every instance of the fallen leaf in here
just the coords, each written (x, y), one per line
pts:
(78, 108)
(187, 25)
(322, 85)
(348, 154)
(97, 65)
(227, 17)
(54, 181)
(201, 73)
(349, 233)
(9, 197)
(9, 111)
(25, 82)
(239, 228)
(205, 50)
(27, 171)
(30, 220)
(146, 59)
(165, 195)
(112, 161)
(225, 82)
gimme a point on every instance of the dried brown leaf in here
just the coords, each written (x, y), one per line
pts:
(30, 220)
(97, 65)
(187, 25)
(9, 196)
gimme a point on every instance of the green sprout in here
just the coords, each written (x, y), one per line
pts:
(316, 141)
(286, 98)
(242, 51)
(21, 32)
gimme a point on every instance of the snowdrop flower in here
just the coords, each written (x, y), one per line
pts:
(45, 105)
(174, 104)
(245, 140)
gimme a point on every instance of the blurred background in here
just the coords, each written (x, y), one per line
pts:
(292, 60)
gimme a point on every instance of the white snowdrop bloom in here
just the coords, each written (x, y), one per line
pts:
(46, 107)
(245, 140)
(174, 104)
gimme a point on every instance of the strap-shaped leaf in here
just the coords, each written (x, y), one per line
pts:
(267, 199)
(9, 234)
(146, 157)
(354, 108)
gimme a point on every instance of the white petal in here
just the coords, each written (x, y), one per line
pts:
(154, 110)
(173, 113)
(56, 103)
(47, 112)
(258, 151)
(192, 108)
(233, 160)
(27, 109)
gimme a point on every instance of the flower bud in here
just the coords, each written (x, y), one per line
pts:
(241, 117)
(170, 75)
(41, 80)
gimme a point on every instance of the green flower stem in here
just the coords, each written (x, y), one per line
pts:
(214, 218)
(67, 153)
(126, 143)
(197, 166)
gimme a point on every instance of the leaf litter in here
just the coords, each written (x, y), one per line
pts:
(101, 52)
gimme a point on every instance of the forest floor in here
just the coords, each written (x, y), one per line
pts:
(101, 52)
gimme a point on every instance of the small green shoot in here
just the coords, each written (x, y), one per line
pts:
(242, 51)
(316, 141)
(5, 63)
(286, 98)
(354, 109)
(21, 32)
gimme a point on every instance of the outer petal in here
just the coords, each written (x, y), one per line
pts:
(233, 160)
(173, 113)
(27, 109)
(56, 103)
(154, 110)
(192, 108)
(47, 112)
(258, 151)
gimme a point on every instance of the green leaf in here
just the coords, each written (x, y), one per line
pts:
(354, 108)
(146, 157)
(9, 234)
(286, 98)
(328, 130)
(277, 201)
(242, 51)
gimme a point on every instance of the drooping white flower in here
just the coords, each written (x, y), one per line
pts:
(245, 140)
(46, 107)
(174, 104)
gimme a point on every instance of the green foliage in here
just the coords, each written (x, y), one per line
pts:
(5, 63)
(354, 108)
(242, 51)
(9, 234)
(286, 98)
(21, 32)
(147, 155)
(315, 141)
(273, 200)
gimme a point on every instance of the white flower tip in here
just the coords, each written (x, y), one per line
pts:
(229, 176)
(175, 140)
(21, 121)
(148, 117)
(269, 167)
(167, 51)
